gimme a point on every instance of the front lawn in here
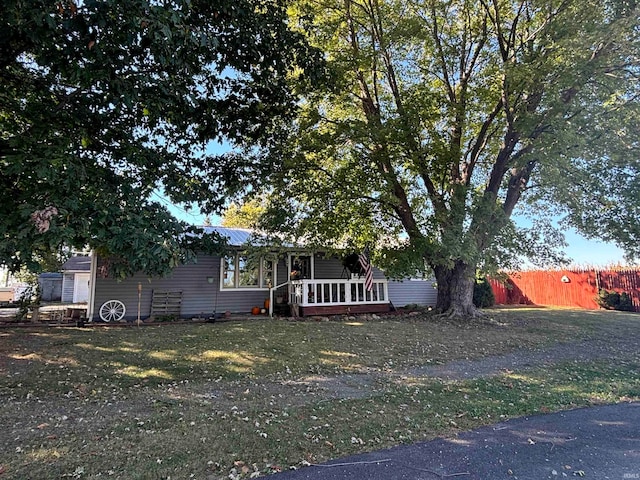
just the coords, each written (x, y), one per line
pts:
(242, 398)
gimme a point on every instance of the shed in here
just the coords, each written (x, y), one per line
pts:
(50, 286)
(76, 275)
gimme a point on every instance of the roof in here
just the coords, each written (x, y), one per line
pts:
(236, 236)
(77, 264)
(49, 275)
(240, 237)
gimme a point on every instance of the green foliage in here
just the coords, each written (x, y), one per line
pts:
(106, 104)
(483, 293)
(615, 301)
(445, 116)
(246, 215)
(29, 298)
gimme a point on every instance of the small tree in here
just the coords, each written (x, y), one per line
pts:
(246, 215)
(483, 296)
(30, 297)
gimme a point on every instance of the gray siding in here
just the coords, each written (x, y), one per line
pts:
(282, 274)
(199, 298)
(332, 267)
(327, 267)
(406, 292)
(68, 280)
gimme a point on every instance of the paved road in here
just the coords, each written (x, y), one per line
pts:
(596, 443)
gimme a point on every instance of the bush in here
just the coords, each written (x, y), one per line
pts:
(614, 300)
(29, 301)
(483, 294)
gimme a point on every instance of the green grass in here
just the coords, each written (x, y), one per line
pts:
(233, 399)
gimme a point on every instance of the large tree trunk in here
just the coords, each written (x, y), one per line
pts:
(455, 289)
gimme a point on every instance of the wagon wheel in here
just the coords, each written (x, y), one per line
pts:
(112, 310)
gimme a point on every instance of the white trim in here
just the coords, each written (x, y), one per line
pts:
(236, 287)
(92, 285)
(330, 292)
(302, 254)
(78, 280)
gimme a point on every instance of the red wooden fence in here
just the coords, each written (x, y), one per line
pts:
(570, 288)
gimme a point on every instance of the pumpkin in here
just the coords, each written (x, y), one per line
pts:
(255, 310)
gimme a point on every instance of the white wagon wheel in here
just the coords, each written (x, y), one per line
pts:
(112, 310)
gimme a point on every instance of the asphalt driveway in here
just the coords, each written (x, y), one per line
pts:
(598, 442)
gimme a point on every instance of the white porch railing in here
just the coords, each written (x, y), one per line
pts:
(330, 292)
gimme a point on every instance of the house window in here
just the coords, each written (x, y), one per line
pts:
(248, 272)
(301, 266)
(241, 271)
(267, 273)
(229, 272)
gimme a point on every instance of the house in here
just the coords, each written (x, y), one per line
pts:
(76, 275)
(309, 283)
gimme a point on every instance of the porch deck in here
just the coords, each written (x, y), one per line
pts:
(337, 296)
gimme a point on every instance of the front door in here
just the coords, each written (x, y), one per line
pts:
(302, 264)
(81, 288)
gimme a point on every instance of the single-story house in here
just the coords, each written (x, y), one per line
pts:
(76, 279)
(305, 282)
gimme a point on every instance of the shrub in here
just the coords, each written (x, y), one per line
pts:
(614, 300)
(625, 305)
(483, 294)
(29, 301)
(608, 300)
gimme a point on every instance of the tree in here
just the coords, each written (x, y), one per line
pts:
(245, 215)
(104, 104)
(447, 115)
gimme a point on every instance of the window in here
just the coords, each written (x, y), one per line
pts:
(229, 272)
(267, 273)
(248, 272)
(242, 271)
(301, 266)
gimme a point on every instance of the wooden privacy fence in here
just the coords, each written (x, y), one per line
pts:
(568, 288)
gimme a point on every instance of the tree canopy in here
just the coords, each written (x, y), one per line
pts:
(446, 117)
(245, 215)
(105, 104)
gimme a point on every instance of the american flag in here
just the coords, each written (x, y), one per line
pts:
(366, 267)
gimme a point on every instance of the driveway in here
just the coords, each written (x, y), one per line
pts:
(598, 443)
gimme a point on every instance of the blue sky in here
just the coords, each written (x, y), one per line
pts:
(589, 252)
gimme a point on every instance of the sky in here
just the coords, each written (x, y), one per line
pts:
(589, 252)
